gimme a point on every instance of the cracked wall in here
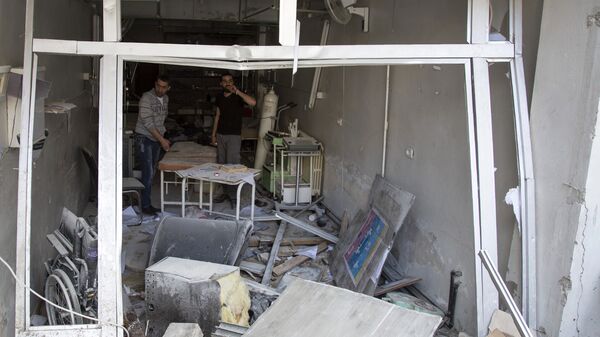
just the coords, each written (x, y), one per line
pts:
(567, 161)
(60, 177)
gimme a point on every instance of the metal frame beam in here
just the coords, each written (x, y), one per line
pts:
(22, 300)
(486, 234)
(276, 53)
(109, 194)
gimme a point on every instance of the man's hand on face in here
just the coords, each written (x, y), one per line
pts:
(165, 144)
(232, 89)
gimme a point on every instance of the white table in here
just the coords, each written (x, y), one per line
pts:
(211, 173)
(183, 155)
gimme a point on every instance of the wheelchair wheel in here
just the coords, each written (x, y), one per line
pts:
(59, 289)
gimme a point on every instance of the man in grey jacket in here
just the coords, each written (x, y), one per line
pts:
(150, 130)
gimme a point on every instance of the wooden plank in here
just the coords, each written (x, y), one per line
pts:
(256, 241)
(313, 309)
(307, 227)
(392, 286)
(253, 267)
(274, 250)
(295, 261)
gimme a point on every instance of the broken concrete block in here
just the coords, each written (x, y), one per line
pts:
(183, 330)
(312, 309)
(504, 323)
(181, 290)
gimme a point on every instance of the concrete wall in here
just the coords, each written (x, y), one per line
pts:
(427, 114)
(59, 175)
(564, 129)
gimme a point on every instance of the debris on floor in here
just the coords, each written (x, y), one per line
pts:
(360, 255)
(183, 330)
(286, 250)
(321, 310)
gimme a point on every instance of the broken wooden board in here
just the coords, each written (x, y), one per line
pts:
(252, 267)
(274, 251)
(295, 261)
(313, 309)
(256, 241)
(396, 285)
(359, 256)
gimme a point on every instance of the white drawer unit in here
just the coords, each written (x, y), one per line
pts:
(10, 106)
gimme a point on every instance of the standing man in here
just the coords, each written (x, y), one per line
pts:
(227, 129)
(150, 130)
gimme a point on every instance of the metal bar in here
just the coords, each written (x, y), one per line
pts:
(274, 252)
(297, 195)
(109, 180)
(262, 65)
(111, 10)
(273, 53)
(287, 22)
(517, 17)
(257, 12)
(385, 119)
(317, 75)
(307, 227)
(72, 331)
(22, 302)
(480, 21)
(474, 191)
(503, 290)
(118, 233)
(487, 301)
(527, 193)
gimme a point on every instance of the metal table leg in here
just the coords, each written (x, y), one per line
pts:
(183, 184)
(162, 193)
(252, 202)
(200, 197)
(210, 195)
(238, 201)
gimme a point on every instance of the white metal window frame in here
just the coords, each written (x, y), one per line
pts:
(474, 56)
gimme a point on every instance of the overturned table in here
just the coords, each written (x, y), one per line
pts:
(183, 155)
(217, 173)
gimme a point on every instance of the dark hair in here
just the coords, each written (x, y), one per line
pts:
(163, 77)
(226, 74)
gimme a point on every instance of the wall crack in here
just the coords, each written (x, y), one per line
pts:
(581, 272)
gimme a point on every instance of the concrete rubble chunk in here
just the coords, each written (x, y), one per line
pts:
(183, 330)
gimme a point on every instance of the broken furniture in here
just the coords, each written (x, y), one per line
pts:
(71, 278)
(360, 255)
(133, 186)
(217, 241)
(130, 185)
(222, 174)
(181, 156)
(285, 175)
(313, 309)
(181, 290)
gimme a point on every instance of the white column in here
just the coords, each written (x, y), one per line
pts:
(109, 195)
(22, 302)
(486, 234)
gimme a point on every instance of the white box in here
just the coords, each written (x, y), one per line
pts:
(10, 113)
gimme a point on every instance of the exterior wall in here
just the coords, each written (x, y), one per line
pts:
(60, 177)
(564, 127)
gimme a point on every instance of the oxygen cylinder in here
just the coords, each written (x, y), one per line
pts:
(261, 91)
(267, 122)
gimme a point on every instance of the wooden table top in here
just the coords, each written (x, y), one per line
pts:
(184, 155)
